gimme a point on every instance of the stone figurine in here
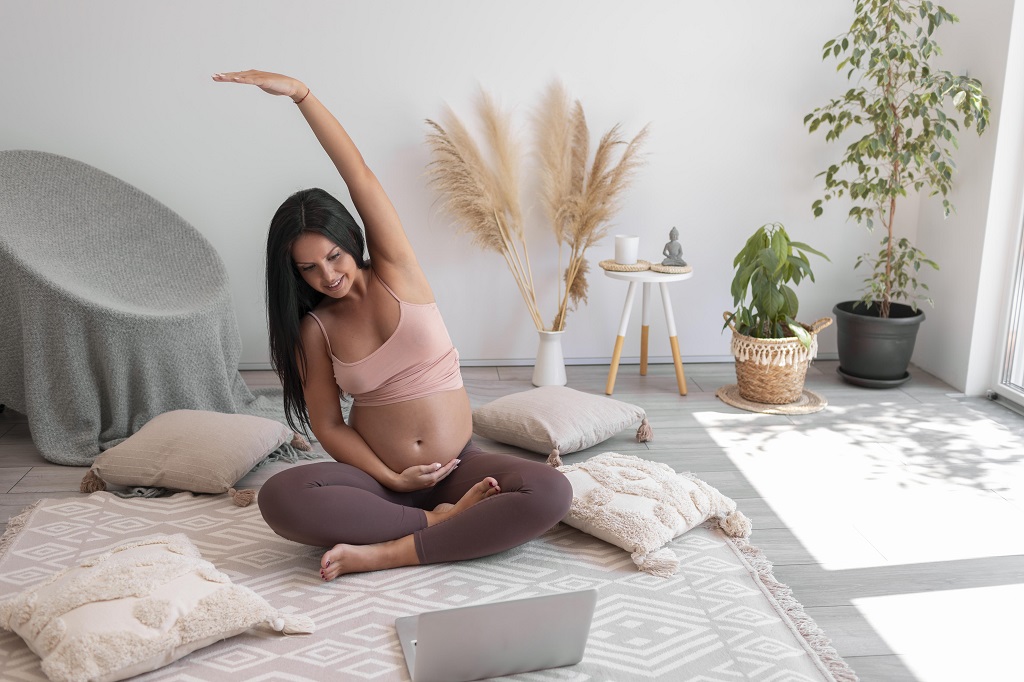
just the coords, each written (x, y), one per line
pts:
(673, 251)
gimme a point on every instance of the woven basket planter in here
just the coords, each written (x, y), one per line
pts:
(772, 371)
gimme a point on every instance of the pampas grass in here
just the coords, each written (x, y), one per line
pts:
(579, 195)
(580, 201)
(483, 197)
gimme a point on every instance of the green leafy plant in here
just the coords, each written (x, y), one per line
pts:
(765, 267)
(904, 136)
(904, 262)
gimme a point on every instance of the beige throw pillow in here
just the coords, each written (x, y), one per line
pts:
(139, 607)
(193, 450)
(640, 505)
(556, 420)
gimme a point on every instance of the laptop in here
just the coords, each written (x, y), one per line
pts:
(500, 638)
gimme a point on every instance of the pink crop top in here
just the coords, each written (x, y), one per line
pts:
(417, 360)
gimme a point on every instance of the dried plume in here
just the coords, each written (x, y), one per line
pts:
(498, 132)
(574, 204)
(578, 287)
(580, 200)
(554, 149)
(459, 174)
(580, 148)
(484, 200)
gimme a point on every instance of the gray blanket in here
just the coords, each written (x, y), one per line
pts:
(113, 309)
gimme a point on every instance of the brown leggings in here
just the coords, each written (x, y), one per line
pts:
(328, 503)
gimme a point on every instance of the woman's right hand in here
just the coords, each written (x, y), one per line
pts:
(273, 83)
(420, 476)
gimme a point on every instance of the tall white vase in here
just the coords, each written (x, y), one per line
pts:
(549, 370)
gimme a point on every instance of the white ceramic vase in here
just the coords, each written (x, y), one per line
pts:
(549, 369)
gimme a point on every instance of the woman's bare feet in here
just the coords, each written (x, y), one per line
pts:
(480, 491)
(342, 559)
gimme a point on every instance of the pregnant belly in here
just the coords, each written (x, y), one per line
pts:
(421, 431)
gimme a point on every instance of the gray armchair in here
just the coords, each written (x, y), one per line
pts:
(113, 309)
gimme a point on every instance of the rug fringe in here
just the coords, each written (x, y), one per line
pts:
(142, 491)
(14, 526)
(805, 625)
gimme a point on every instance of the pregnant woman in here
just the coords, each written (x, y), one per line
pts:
(408, 485)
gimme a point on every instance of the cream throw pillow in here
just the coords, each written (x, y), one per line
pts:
(134, 609)
(556, 420)
(640, 505)
(193, 450)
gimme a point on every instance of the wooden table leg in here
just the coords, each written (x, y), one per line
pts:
(623, 324)
(645, 321)
(673, 339)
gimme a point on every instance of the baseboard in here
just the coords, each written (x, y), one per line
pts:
(254, 366)
(528, 362)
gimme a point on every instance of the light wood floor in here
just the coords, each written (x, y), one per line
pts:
(895, 516)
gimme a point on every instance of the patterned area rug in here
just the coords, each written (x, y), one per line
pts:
(722, 617)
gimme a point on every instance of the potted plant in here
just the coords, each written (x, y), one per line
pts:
(771, 348)
(903, 139)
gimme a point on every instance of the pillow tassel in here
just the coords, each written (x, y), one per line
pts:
(554, 459)
(662, 563)
(92, 482)
(645, 432)
(242, 498)
(291, 624)
(300, 443)
(736, 524)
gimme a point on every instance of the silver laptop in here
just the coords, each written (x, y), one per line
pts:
(501, 638)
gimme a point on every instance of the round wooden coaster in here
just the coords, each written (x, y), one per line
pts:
(639, 266)
(671, 269)
(807, 403)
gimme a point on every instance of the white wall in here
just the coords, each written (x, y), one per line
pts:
(125, 86)
(1002, 235)
(960, 331)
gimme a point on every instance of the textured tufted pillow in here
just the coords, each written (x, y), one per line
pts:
(134, 609)
(640, 505)
(556, 420)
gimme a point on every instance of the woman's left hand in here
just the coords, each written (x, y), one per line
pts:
(420, 476)
(272, 83)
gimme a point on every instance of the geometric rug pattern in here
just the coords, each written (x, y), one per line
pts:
(714, 621)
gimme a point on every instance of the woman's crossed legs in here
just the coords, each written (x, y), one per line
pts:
(500, 502)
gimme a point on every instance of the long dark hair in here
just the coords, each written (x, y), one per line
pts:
(289, 298)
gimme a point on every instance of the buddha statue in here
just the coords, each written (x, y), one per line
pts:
(673, 251)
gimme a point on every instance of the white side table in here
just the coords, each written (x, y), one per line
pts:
(647, 278)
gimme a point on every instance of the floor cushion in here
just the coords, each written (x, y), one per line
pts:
(640, 505)
(136, 608)
(557, 420)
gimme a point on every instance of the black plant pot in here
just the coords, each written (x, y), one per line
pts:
(875, 351)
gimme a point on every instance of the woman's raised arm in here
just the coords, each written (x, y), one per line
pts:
(390, 250)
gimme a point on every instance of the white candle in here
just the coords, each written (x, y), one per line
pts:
(626, 247)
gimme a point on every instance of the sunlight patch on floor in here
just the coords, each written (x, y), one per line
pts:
(855, 500)
(953, 635)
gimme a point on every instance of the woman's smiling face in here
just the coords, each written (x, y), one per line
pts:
(324, 265)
